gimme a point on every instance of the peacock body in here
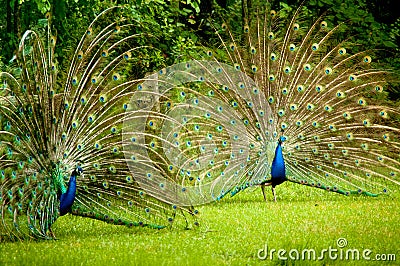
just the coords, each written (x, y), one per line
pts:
(284, 100)
(61, 134)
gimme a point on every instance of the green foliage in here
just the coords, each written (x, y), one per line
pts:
(178, 24)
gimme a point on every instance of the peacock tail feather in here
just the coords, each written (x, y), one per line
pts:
(210, 127)
(53, 124)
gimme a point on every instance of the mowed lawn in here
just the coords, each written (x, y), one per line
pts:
(235, 231)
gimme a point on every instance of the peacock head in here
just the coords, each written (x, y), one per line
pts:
(78, 168)
(282, 138)
(77, 171)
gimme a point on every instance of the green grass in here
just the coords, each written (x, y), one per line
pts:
(231, 233)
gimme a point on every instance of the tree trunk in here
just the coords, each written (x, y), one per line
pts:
(17, 25)
(9, 17)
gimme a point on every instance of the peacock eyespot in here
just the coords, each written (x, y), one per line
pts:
(116, 77)
(292, 47)
(307, 67)
(342, 51)
(349, 136)
(346, 115)
(378, 88)
(364, 146)
(323, 24)
(361, 102)
(271, 77)
(225, 88)
(271, 35)
(314, 46)
(296, 27)
(339, 94)
(367, 59)
(366, 123)
(127, 55)
(300, 88)
(383, 114)
(328, 70)
(386, 137)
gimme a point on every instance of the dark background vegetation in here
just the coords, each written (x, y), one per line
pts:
(180, 24)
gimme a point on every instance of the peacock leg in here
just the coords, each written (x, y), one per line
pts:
(263, 185)
(263, 191)
(273, 192)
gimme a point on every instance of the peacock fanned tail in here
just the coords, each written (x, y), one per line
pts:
(210, 127)
(56, 124)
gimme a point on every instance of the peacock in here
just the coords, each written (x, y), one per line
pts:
(61, 145)
(285, 100)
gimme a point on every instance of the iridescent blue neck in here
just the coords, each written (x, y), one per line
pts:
(278, 172)
(67, 198)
